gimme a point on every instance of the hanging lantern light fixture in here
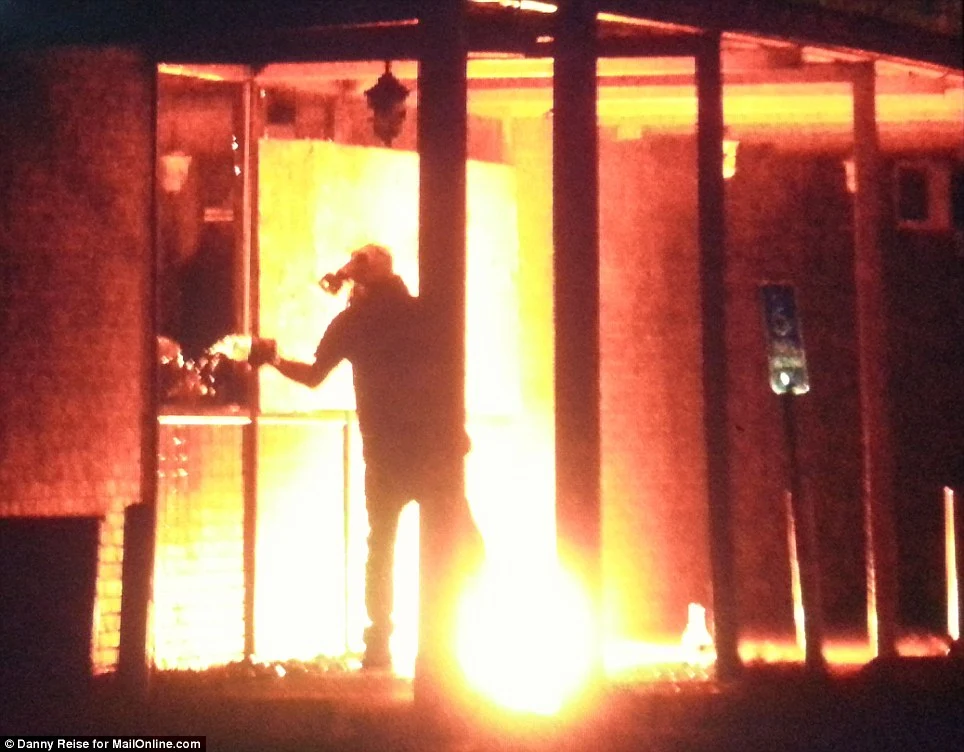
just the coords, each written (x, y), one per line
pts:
(386, 99)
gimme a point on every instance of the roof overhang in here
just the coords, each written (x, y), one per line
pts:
(217, 30)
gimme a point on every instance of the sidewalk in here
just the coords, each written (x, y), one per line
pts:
(913, 706)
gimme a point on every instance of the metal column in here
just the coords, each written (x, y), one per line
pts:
(712, 225)
(442, 146)
(877, 454)
(575, 215)
(140, 519)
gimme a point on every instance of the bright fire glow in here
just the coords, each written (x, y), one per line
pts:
(533, 5)
(696, 640)
(522, 636)
(525, 635)
(841, 652)
(404, 643)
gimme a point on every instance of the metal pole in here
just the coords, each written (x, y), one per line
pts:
(140, 519)
(878, 485)
(803, 519)
(443, 151)
(575, 225)
(712, 226)
(253, 128)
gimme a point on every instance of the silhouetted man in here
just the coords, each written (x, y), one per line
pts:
(382, 335)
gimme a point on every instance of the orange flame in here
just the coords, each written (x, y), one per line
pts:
(525, 635)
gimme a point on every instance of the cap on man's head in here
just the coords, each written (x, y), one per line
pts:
(371, 261)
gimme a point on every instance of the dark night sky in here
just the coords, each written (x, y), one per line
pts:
(66, 20)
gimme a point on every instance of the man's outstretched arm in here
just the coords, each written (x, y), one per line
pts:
(330, 352)
(309, 374)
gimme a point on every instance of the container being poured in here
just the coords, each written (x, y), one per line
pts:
(234, 346)
(244, 348)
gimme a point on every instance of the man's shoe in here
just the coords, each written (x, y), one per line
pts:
(378, 656)
(376, 661)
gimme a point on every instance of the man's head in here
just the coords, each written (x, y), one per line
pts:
(368, 264)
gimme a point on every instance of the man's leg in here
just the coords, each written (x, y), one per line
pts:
(384, 502)
(451, 551)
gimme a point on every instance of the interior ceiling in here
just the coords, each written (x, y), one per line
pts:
(740, 65)
(769, 83)
(763, 86)
(524, 26)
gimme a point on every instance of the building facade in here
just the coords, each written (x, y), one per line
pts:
(596, 267)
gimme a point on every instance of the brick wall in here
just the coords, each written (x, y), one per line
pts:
(924, 273)
(76, 153)
(655, 536)
(789, 219)
(75, 254)
(107, 600)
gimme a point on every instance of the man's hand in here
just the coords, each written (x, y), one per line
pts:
(263, 351)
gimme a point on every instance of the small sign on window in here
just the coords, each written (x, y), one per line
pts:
(785, 352)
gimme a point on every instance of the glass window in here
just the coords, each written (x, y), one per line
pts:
(201, 259)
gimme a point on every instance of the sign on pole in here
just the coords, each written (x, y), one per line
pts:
(785, 352)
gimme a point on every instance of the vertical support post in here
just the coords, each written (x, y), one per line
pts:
(133, 665)
(443, 150)
(877, 457)
(805, 546)
(253, 127)
(250, 127)
(249, 528)
(575, 222)
(712, 226)
(140, 520)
